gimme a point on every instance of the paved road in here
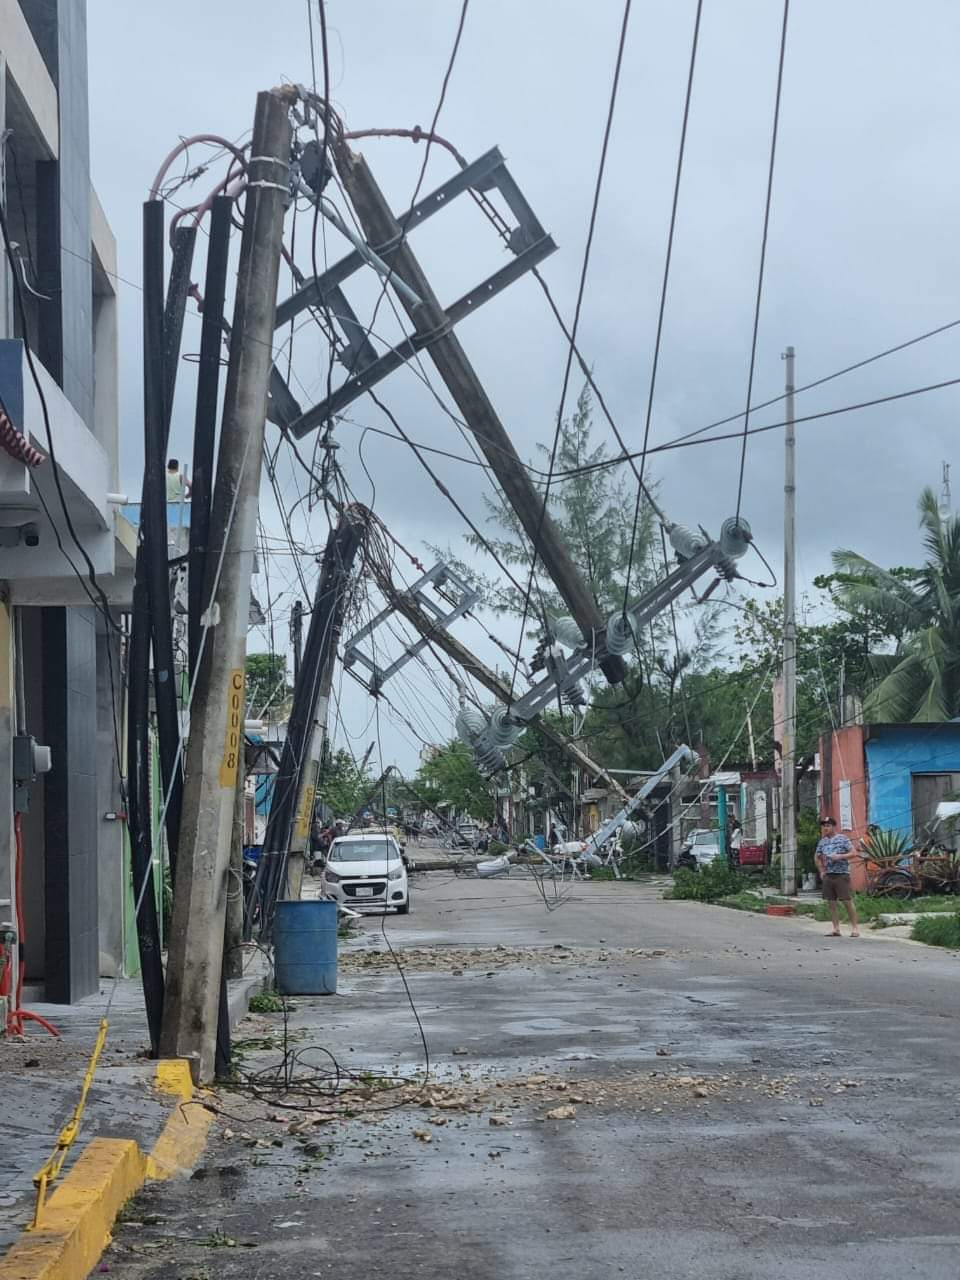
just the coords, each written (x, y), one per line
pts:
(752, 1101)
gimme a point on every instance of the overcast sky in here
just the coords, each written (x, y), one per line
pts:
(861, 254)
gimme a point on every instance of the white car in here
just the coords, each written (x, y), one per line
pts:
(366, 869)
(705, 847)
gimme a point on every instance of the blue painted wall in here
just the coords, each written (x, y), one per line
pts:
(894, 754)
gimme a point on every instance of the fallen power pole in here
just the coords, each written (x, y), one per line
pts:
(215, 749)
(443, 640)
(434, 327)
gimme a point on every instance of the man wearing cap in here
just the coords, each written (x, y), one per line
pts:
(832, 857)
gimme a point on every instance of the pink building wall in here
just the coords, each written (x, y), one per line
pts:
(843, 783)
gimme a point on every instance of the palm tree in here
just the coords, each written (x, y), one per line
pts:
(920, 610)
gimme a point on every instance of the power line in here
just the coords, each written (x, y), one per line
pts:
(663, 302)
(763, 254)
(595, 205)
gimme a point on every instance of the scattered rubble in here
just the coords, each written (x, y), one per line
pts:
(459, 960)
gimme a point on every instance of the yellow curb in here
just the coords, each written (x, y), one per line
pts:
(80, 1213)
(185, 1133)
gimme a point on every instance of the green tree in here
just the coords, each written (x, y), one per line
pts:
(342, 786)
(920, 611)
(452, 777)
(267, 688)
(593, 511)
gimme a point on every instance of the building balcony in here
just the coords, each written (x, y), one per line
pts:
(32, 509)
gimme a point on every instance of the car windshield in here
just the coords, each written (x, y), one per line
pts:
(705, 837)
(362, 851)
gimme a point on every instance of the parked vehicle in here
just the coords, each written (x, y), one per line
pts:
(701, 848)
(366, 869)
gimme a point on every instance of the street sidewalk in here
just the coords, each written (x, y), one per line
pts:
(42, 1077)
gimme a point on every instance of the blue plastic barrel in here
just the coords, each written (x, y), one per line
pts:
(305, 948)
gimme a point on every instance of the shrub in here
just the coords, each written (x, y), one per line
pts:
(711, 882)
(938, 931)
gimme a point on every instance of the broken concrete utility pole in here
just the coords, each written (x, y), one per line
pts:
(404, 604)
(215, 750)
(431, 321)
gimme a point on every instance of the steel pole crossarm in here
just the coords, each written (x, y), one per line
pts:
(381, 228)
(371, 258)
(565, 672)
(470, 663)
(682, 755)
(677, 581)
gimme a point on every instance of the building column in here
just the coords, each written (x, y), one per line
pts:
(111, 885)
(72, 950)
(7, 729)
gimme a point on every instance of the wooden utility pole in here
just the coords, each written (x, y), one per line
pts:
(788, 782)
(215, 751)
(443, 347)
(442, 638)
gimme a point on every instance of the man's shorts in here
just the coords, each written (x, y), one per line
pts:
(836, 888)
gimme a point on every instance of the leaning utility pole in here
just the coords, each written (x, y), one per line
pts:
(788, 782)
(295, 785)
(434, 331)
(406, 605)
(215, 750)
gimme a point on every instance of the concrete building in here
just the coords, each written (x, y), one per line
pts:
(891, 775)
(59, 445)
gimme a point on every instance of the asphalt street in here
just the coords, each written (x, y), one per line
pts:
(618, 1086)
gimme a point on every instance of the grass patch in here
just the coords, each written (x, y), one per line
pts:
(266, 1002)
(749, 901)
(939, 931)
(869, 908)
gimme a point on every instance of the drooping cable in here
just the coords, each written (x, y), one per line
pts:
(763, 254)
(661, 310)
(594, 209)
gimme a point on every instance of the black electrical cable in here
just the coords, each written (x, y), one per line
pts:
(594, 209)
(763, 254)
(661, 310)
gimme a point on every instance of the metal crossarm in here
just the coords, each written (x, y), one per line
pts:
(465, 597)
(527, 240)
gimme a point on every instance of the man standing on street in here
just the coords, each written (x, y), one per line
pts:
(833, 855)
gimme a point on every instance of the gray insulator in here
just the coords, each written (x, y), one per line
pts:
(568, 632)
(575, 694)
(620, 633)
(488, 755)
(735, 537)
(469, 722)
(685, 542)
(501, 730)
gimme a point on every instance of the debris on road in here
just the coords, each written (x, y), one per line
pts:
(562, 1113)
(458, 960)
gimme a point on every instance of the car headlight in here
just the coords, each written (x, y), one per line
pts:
(395, 874)
(331, 877)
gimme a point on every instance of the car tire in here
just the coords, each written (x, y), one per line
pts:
(404, 908)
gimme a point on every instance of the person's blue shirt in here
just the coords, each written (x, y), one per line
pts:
(835, 844)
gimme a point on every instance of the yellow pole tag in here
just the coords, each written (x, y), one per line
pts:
(234, 739)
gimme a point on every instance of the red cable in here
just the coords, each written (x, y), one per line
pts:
(17, 1014)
